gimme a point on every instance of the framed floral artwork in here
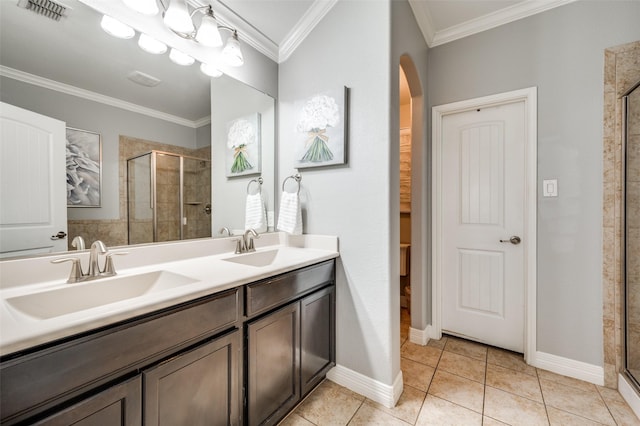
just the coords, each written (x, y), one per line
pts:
(84, 168)
(243, 146)
(322, 124)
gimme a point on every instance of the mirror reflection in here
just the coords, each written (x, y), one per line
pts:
(74, 72)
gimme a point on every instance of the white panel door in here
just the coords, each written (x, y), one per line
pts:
(33, 197)
(483, 183)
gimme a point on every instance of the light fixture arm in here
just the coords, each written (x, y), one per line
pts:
(208, 12)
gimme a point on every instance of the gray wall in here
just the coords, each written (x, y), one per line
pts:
(407, 43)
(350, 47)
(110, 122)
(560, 51)
(230, 100)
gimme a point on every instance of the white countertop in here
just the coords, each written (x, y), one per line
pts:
(203, 261)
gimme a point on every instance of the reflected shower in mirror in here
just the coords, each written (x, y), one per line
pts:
(68, 76)
(632, 240)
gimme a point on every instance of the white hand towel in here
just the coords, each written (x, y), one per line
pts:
(255, 213)
(290, 215)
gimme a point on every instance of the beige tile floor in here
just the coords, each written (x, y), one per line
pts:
(457, 382)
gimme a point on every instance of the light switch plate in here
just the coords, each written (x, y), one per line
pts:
(550, 188)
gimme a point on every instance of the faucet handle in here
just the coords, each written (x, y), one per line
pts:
(250, 245)
(109, 268)
(239, 245)
(76, 273)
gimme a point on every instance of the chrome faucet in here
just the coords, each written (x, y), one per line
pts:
(97, 248)
(224, 230)
(78, 243)
(244, 244)
(247, 239)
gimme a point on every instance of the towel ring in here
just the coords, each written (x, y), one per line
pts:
(295, 177)
(259, 182)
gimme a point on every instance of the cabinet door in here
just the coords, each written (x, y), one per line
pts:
(198, 387)
(117, 405)
(317, 337)
(273, 360)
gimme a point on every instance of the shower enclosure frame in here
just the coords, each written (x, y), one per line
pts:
(154, 195)
(633, 378)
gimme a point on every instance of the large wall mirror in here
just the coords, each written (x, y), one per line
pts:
(73, 71)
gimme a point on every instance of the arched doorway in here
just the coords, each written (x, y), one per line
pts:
(415, 212)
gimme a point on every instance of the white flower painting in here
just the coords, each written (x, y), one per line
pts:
(84, 172)
(322, 125)
(243, 146)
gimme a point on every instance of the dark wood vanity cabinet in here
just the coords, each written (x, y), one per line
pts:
(289, 349)
(219, 360)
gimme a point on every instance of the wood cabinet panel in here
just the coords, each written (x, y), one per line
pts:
(199, 387)
(317, 337)
(265, 295)
(119, 405)
(273, 359)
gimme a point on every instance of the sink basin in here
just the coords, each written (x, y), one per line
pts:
(79, 297)
(258, 259)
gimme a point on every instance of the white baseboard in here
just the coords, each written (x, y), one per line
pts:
(629, 394)
(420, 337)
(568, 367)
(366, 386)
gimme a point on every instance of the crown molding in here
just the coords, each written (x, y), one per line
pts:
(97, 97)
(423, 17)
(303, 27)
(492, 20)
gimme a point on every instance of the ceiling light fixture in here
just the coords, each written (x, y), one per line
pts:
(177, 17)
(116, 28)
(180, 58)
(179, 20)
(151, 45)
(210, 70)
(232, 54)
(208, 34)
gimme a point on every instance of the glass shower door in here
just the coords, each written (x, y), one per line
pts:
(197, 198)
(168, 197)
(140, 200)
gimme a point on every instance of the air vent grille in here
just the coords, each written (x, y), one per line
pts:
(143, 79)
(47, 8)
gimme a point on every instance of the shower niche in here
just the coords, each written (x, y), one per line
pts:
(631, 108)
(168, 197)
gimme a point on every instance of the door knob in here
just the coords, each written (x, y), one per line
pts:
(513, 240)
(59, 236)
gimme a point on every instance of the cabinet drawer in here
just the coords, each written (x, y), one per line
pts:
(37, 381)
(270, 293)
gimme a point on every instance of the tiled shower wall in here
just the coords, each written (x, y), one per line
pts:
(621, 72)
(114, 232)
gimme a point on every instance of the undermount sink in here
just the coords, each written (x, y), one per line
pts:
(258, 259)
(79, 297)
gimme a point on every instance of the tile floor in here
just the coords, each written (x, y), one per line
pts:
(457, 382)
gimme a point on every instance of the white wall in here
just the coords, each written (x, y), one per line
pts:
(350, 47)
(560, 51)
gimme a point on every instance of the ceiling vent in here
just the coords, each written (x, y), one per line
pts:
(47, 8)
(143, 79)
